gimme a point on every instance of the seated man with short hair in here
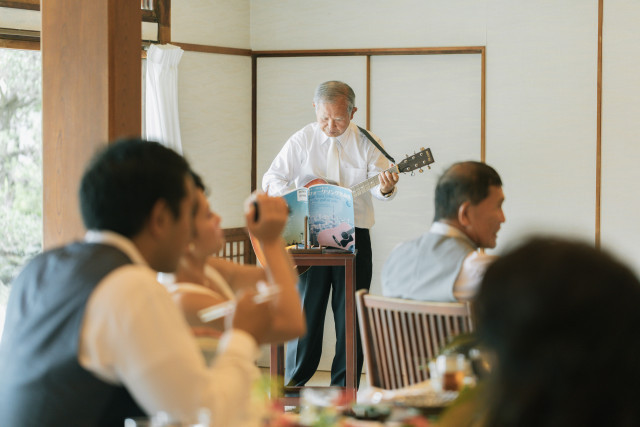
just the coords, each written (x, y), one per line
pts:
(444, 264)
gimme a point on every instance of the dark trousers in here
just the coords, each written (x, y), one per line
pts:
(314, 286)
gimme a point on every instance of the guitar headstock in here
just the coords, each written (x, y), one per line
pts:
(416, 161)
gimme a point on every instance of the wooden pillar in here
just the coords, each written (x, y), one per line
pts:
(91, 95)
(163, 14)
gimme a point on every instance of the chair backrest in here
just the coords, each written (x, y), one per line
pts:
(237, 247)
(400, 337)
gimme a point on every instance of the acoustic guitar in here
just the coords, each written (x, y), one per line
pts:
(344, 238)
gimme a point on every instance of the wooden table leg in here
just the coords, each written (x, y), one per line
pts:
(350, 328)
(276, 368)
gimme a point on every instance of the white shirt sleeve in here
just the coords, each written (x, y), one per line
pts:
(378, 194)
(280, 177)
(134, 335)
(471, 273)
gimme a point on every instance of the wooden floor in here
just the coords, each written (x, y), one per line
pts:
(323, 378)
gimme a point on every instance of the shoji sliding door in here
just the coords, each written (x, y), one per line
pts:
(415, 101)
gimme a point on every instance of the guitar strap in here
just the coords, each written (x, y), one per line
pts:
(372, 139)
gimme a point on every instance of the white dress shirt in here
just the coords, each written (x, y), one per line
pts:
(304, 158)
(134, 335)
(473, 266)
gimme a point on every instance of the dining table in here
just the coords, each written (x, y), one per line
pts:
(417, 405)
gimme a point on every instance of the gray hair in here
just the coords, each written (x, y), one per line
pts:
(331, 91)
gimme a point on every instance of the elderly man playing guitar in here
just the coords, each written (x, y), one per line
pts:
(340, 152)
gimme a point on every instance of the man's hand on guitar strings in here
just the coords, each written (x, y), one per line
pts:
(388, 181)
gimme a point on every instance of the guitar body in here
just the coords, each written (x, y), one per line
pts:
(316, 181)
(257, 249)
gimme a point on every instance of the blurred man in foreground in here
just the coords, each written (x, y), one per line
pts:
(92, 338)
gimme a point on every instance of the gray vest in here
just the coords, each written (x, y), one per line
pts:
(425, 268)
(41, 381)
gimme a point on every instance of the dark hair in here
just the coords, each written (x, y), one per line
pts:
(562, 320)
(461, 182)
(197, 181)
(124, 181)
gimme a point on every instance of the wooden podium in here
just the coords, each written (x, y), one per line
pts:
(326, 258)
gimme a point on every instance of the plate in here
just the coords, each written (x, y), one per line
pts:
(428, 399)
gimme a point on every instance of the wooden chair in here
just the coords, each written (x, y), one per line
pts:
(400, 337)
(237, 247)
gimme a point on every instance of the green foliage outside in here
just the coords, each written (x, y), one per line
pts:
(20, 162)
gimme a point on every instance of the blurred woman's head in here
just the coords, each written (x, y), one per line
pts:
(208, 237)
(562, 320)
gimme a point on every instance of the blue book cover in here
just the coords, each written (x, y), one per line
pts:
(329, 209)
(293, 232)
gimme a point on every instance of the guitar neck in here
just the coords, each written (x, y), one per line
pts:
(359, 189)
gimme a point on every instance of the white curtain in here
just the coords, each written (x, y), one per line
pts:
(162, 122)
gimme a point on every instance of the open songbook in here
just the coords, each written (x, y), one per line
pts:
(327, 211)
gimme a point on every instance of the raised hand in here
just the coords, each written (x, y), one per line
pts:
(272, 213)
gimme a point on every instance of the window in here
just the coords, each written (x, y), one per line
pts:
(20, 164)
